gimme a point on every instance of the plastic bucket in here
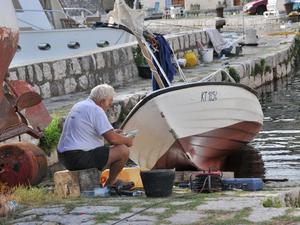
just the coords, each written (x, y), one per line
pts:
(158, 183)
(191, 59)
(207, 55)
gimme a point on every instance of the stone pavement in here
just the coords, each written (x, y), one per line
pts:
(184, 208)
(228, 207)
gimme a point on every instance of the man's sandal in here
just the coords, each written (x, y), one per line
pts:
(124, 185)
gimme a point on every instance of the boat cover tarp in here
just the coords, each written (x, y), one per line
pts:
(217, 40)
(164, 58)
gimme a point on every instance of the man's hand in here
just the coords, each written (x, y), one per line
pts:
(130, 141)
(118, 131)
(116, 139)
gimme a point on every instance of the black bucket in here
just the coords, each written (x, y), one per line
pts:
(158, 183)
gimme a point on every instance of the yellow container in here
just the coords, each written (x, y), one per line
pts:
(191, 58)
(127, 175)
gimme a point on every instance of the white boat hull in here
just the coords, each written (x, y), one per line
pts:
(193, 125)
(59, 39)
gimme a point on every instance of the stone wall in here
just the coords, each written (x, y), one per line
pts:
(113, 65)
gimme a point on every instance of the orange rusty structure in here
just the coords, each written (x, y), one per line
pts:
(20, 163)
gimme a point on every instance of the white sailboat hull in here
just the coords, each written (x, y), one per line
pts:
(58, 40)
(193, 125)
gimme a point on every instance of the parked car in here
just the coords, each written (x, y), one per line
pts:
(257, 6)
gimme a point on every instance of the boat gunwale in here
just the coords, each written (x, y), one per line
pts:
(153, 94)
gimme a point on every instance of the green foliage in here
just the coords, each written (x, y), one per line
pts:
(270, 203)
(268, 69)
(51, 137)
(233, 73)
(139, 58)
(123, 114)
(263, 62)
(193, 12)
(224, 75)
(259, 68)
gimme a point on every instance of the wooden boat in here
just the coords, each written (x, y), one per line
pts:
(193, 126)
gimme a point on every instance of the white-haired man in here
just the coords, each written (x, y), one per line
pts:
(81, 145)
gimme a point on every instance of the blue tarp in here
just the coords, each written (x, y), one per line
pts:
(164, 58)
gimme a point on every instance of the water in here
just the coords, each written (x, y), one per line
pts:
(275, 152)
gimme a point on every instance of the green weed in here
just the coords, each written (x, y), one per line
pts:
(139, 58)
(51, 136)
(272, 202)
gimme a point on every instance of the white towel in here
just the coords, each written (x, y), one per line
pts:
(217, 40)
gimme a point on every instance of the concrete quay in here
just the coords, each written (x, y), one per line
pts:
(183, 206)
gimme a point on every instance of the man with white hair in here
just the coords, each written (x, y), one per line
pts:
(81, 145)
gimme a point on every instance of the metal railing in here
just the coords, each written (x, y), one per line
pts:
(39, 10)
(83, 9)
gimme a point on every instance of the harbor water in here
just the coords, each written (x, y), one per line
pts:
(275, 152)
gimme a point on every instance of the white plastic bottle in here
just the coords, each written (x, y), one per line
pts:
(96, 192)
(102, 191)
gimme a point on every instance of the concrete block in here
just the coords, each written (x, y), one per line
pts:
(85, 63)
(45, 90)
(74, 65)
(283, 69)
(60, 68)
(37, 89)
(116, 57)
(39, 73)
(13, 75)
(83, 82)
(278, 71)
(100, 61)
(71, 183)
(22, 73)
(47, 72)
(30, 73)
(70, 85)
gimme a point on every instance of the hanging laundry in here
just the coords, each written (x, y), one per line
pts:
(164, 58)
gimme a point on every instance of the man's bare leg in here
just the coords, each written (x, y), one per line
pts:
(118, 157)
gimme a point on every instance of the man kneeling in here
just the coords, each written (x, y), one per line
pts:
(81, 145)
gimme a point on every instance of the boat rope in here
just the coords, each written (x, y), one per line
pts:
(205, 79)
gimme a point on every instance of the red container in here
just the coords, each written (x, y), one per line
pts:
(22, 163)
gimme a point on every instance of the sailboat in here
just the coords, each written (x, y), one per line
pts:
(47, 31)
